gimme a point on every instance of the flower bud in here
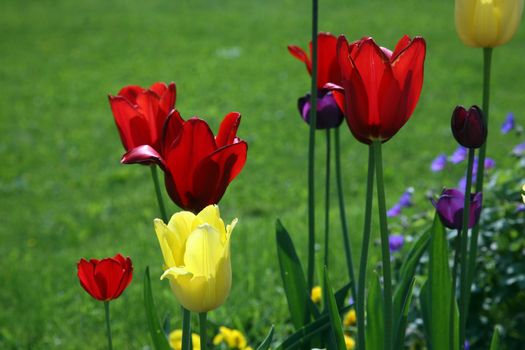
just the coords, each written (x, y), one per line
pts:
(328, 113)
(450, 205)
(468, 127)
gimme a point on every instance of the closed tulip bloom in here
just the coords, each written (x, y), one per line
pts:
(381, 87)
(487, 23)
(140, 113)
(468, 126)
(449, 207)
(105, 279)
(196, 251)
(328, 113)
(198, 167)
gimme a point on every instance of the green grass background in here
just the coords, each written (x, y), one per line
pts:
(64, 195)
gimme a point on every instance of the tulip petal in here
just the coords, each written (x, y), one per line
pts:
(172, 237)
(149, 105)
(144, 154)
(402, 44)
(212, 216)
(228, 129)
(168, 99)
(511, 16)
(126, 278)
(327, 68)
(130, 93)
(124, 112)
(158, 88)
(204, 249)
(299, 53)
(86, 275)
(108, 274)
(171, 130)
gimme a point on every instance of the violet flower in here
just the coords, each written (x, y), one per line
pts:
(439, 163)
(404, 201)
(459, 155)
(519, 150)
(449, 207)
(328, 113)
(396, 242)
(509, 124)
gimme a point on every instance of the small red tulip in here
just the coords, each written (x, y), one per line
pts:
(105, 279)
(381, 87)
(140, 113)
(468, 126)
(198, 167)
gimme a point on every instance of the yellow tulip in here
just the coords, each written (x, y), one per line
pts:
(487, 23)
(196, 251)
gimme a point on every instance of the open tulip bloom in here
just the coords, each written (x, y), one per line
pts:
(140, 113)
(198, 167)
(196, 251)
(381, 87)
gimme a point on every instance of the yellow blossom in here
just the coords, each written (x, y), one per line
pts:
(349, 342)
(175, 340)
(487, 23)
(316, 294)
(350, 318)
(231, 337)
(196, 251)
(523, 193)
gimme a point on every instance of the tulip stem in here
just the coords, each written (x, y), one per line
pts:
(203, 322)
(385, 248)
(327, 199)
(108, 325)
(463, 306)
(487, 62)
(342, 212)
(360, 299)
(186, 329)
(457, 252)
(155, 178)
(311, 151)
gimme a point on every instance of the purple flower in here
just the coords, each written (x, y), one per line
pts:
(520, 207)
(468, 126)
(519, 150)
(467, 345)
(394, 211)
(459, 155)
(439, 163)
(406, 198)
(489, 163)
(395, 242)
(328, 113)
(449, 207)
(508, 124)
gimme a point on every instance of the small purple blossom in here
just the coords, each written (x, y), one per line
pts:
(489, 163)
(463, 181)
(467, 345)
(509, 124)
(394, 211)
(395, 242)
(439, 163)
(519, 150)
(459, 155)
(404, 201)
(520, 207)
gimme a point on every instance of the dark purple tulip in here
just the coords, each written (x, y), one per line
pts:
(468, 126)
(439, 163)
(519, 150)
(449, 207)
(459, 155)
(395, 242)
(328, 113)
(508, 124)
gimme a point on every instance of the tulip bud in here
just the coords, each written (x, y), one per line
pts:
(328, 113)
(468, 127)
(487, 23)
(450, 205)
(196, 251)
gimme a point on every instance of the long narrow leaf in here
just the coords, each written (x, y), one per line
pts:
(375, 328)
(293, 277)
(333, 312)
(401, 322)
(495, 343)
(155, 329)
(265, 345)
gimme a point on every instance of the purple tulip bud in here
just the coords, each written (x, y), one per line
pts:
(328, 113)
(459, 155)
(394, 211)
(468, 127)
(395, 242)
(439, 163)
(519, 150)
(508, 124)
(449, 207)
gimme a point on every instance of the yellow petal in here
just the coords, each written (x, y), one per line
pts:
(464, 16)
(486, 24)
(165, 238)
(211, 215)
(203, 251)
(511, 13)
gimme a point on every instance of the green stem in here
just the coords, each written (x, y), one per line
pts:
(108, 325)
(158, 193)
(457, 253)
(311, 151)
(203, 322)
(360, 300)
(463, 307)
(186, 329)
(327, 199)
(342, 213)
(385, 248)
(487, 62)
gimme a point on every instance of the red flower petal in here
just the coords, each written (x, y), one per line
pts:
(130, 93)
(228, 129)
(85, 273)
(108, 274)
(144, 154)
(299, 53)
(123, 111)
(168, 98)
(327, 70)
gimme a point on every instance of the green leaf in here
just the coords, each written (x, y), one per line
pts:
(333, 312)
(265, 345)
(495, 343)
(439, 289)
(375, 327)
(401, 322)
(155, 329)
(293, 278)
(424, 300)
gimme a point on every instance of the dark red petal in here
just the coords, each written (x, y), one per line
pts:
(144, 154)
(339, 97)
(343, 58)
(158, 88)
(123, 113)
(402, 44)
(149, 106)
(228, 129)
(108, 274)
(126, 277)
(392, 106)
(328, 69)
(130, 93)
(86, 276)
(167, 99)
(299, 53)
(171, 130)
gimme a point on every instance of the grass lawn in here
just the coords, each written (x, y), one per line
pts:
(64, 194)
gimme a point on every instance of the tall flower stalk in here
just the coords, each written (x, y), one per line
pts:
(327, 199)
(108, 325)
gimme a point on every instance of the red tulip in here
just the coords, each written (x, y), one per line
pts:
(105, 279)
(327, 67)
(198, 167)
(140, 113)
(381, 88)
